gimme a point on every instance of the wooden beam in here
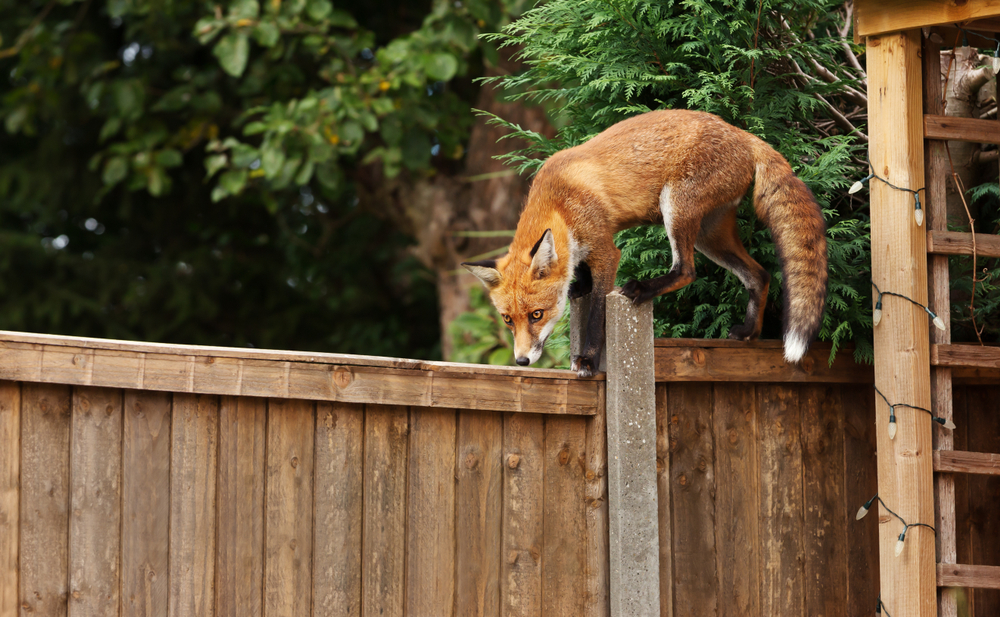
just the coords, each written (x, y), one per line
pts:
(977, 577)
(902, 355)
(883, 16)
(948, 128)
(960, 243)
(971, 356)
(981, 463)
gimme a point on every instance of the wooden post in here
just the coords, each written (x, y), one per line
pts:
(902, 350)
(632, 481)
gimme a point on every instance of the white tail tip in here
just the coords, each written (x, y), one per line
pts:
(795, 347)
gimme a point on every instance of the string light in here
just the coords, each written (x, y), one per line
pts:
(877, 313)
(918, 213)
(945, 422)
(900, 542)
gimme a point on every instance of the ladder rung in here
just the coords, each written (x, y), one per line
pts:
(965, 355)
(960, 243)
(961, 129)
(967, 462)
(959, 575)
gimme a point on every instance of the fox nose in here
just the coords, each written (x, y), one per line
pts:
(523, 361)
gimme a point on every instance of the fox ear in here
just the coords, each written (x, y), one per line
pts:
(486, 271)
(543, 256)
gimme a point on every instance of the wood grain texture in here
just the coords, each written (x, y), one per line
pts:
(523, 466)
(959, 575)
(598, 601)
(339, 506)
(563, 520)
(146, 504)
(193, 477)
(737, 499)
(984, 493)
(692, 469)
(288, 508)
(44, 552)
(383, 553)
(878, 17)
(961, 243)
(861, 474)
(757, 361)
(95, 502)
(478, 509)
(664, 499)
(239, 587)
(10, 495)
(957, 355)
(953, 128)
(781, 504)
(430, 544)
(825, 537)
(967, 462)
(902, 355)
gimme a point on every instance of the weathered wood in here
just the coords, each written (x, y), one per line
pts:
(692, 470)
(953, 128)
(757, 361)
(631, 419)
(737, 499)
(383, 565)
(193, 476)
(45, 431)
(478, 509)
(239, 586)
(288, 508)
(326, 377)
(902, 355)
(781, 504)
(430, 547)
(825, 536)
(960, 243)
(878, 17)
(564, 524)
(596, 587)
(146, 504)
(95, 502)
(664, 509)
(523, 464)
(10, 495)
(339, 509)
(965, 356)
(984, 493)
(861, 473)
(967, 462)
(978, 577)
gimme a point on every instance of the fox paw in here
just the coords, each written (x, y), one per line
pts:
(743, 333)
(636, 292)
(583, 366)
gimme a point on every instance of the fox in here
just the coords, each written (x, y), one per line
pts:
(687, 170)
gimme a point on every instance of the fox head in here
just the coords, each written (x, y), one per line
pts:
(529, 289)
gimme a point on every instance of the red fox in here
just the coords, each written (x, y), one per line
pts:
(685, 169)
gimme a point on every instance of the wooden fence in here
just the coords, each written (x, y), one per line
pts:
(140, 479)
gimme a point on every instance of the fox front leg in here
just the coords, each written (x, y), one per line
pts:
(602, 280)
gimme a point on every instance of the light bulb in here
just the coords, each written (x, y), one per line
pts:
(948, 424)
(899, 546)
(876, 316)
(862, 511)
(939, 323)
(857, 186)
(918, 216)
(892, 427)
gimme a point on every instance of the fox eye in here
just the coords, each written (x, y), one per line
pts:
(536, 315)
(507, 320)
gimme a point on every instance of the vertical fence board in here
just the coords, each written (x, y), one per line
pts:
(598, 591)
(984, 492)
(523, 460)
(737, 499)
(339, 507)
(564, 525)
(240, 505)
(664, 500)
(963, 532)
(95, 502)
(430, 545)
(860, 483)
(288, 508)
(477, 523)
(45, 428)
(193, 476)
(692, 469)
(825, 535)
(146, 504)
(781, 500)
(10, 494)
(383, 565)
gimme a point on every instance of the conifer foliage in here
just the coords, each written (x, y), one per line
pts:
(781, 70)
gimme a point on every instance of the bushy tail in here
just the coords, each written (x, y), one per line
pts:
(786, 205)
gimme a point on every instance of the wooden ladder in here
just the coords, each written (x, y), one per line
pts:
(944, 356)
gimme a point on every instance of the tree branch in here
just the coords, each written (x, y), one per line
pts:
(26, 35)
